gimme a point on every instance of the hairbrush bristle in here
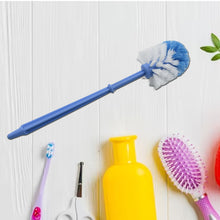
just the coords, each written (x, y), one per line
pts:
(183, 164)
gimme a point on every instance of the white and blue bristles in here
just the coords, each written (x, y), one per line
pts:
(50, 150)
(164, 62)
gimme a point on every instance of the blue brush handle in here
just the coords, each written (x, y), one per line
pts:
(61, 112)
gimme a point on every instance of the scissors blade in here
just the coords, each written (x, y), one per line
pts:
(79, 185)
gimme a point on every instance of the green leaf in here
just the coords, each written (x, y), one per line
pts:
(215, 41)
(216, 57)
(209, 49)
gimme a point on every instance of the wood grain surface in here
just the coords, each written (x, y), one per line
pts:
(52, 53)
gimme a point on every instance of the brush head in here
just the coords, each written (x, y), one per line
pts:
(50, 150)
(164, 62)
(183, 164)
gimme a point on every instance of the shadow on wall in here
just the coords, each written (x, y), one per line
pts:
(169, 183)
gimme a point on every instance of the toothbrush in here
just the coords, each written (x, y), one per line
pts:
(186, 170)
(161, 64)
(37, 210)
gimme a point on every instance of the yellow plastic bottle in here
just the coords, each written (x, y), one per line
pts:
(128, 185)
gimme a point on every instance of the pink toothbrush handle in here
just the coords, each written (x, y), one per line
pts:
(206, 208)
(36, 215)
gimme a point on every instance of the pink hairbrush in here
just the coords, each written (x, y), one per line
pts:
(187, 171)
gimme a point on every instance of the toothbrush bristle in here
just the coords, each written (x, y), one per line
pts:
(50, 150)
(183, 164)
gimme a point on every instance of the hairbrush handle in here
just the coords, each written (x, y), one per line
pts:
(206, 208)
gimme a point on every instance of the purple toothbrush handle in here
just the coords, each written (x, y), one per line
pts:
(206, 208)
(37, 210)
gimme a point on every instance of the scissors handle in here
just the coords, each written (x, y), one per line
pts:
(67, 213)
(71, 212)
(80, 210)
(76, 211)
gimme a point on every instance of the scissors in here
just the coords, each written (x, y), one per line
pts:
(76, 210)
